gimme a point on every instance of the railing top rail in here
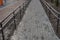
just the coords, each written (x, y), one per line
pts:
(8, 14)
(54, 12)
(52, 8)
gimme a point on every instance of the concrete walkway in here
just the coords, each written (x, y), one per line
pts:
(35, 24)
(8, 3)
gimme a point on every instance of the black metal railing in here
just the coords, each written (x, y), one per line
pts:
(10, 23)
(53, 15)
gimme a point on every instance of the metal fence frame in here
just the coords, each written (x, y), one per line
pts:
(50, 10)
(21, 12)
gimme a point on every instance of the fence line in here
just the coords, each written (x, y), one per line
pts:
(8, 27)
(50, 10)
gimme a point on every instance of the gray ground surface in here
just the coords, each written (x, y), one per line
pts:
(35, 25)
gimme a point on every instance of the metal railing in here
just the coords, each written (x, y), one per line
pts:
(9, 24)
(53, 15)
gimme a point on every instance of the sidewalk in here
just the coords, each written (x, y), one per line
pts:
(35, 25)
(9, 3)
(4, 12)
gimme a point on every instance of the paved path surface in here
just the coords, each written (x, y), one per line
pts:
(35, 25)
(4, 12)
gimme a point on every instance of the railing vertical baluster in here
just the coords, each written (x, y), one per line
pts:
(14, 19)
(2, 32)
(20, 11)
(20, 14)
(49, 14)
(58, 23)
(56, 14)
(23, 8)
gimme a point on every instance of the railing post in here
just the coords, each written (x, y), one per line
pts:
(49, 15)
(58, 23)
(14, 19)
(2, 32)
(20, 11)
(23, 8)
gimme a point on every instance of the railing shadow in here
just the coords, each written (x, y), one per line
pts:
(10, 23)
(53, 15)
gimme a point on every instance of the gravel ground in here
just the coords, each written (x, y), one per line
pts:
(35, 25)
